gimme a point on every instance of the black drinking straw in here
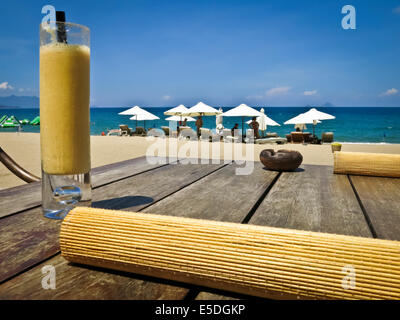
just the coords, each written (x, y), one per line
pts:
(61, 33)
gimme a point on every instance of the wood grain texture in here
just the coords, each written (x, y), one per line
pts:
(86, 283)
(313, 199)
(222, 196)
(380, 198)
(164, 181)
(132, 193)
(28, 196)
(26, 238)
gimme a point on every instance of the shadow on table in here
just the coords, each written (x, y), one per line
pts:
(122, 202)
(296, 170)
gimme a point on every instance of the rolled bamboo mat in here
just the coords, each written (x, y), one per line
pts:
(255, 260)
(369, 164)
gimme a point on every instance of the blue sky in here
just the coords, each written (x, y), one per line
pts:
(271, 52)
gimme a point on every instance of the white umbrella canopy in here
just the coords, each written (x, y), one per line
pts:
(318, 115)
(143, 115)
(242, 110)
(313, 116)
(201, 109)
(178, 118)
(131, 111)
(177, 111)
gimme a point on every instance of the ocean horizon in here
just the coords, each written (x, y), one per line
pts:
(352, 124)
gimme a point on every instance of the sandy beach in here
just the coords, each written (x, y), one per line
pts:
(24, 148)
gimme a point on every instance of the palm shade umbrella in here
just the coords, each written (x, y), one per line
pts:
(242, 110)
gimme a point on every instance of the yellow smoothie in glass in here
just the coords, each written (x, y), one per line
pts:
(64, 108)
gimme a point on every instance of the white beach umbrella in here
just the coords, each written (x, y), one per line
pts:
(178, 118)
(242, 110)
(218, 119)
(131, 111)
(312, 116)
(201, 109)
(177, 111)
(143, 115)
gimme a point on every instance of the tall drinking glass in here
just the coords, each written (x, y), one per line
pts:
(64, 117)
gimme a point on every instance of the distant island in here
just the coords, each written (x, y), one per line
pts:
(327, 105)
(14, 101)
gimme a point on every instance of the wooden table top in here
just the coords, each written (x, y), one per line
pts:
(311, 198)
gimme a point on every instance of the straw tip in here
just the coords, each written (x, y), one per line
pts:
(60, 16)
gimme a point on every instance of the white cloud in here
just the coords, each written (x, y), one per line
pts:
(5, 86)
(310, 93)
(396, 10)
(277, 91)
(390, 92)
(166, 97)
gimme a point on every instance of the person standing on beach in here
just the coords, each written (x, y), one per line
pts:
(254, 125)
(184, 122)
(199, 124)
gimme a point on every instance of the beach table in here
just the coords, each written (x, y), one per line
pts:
(312, 198)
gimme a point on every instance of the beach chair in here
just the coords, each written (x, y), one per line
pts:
(139, 131)
(166, 130)
(205, 134)
(308, 138)
(181, 136)
(277, 140)
(227, 136)
(249, 133)
(289, 138)
(327, 137)
(297, 137)
(272, 135)
(124, 130)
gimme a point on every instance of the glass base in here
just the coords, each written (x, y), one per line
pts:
(61, 193)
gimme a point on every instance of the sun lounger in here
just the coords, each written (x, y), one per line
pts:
(308, 138)
(297, 137)
(271, 140)
(271, 135)
(139, 131)
(327, 137)
(125, 130)
(205, 134)
(289, 138)
(114, 132)
(166, 130)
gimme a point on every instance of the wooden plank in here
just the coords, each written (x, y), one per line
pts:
(313, 199)
(380, 198)
(217, 198)
(223, 196)
(28, 196)
(39, 238)
(20, 198)
(86, 283)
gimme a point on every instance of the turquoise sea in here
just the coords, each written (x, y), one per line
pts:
(352, 124)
